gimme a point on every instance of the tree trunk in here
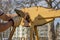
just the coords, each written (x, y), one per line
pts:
(49, 2)
(53, 31)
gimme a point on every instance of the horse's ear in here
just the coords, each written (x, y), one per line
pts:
(17, 11)
(20, 12)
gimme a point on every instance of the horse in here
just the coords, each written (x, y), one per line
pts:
(37, 16)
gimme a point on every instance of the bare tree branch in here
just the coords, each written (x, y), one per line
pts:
(49, 2)
(56, 4)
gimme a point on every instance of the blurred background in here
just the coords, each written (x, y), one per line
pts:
(50, 31)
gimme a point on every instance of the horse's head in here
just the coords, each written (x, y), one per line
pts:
(20, 13)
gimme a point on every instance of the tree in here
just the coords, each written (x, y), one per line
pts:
(52, 23)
